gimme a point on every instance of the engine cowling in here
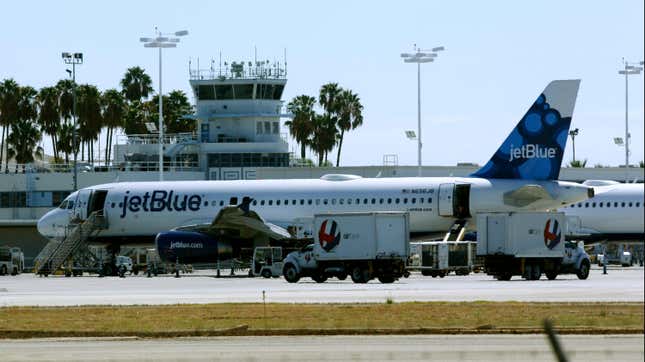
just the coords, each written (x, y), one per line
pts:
(190, 247)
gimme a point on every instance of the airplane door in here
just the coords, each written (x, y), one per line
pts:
(445, 199)
(80, 205)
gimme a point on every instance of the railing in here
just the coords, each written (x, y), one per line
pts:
(148, 138)
(241, 70)
(83, 167)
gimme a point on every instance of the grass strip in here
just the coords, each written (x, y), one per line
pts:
(320, 319)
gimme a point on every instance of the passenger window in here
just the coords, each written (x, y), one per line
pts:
(205, 203)
(593, 204)
(255, 202)
(373, 201)
(333, 201)
(302, 201)
(421, 200)
(638, 204)
(380, 201)
(70, 205)
(622, 204)
(405, 200)
(429, 200)
(630, 204)
(414, 200)
(358, 201)
(349, 201)
(586, 204)
(615, 204)
(309, 202)
(389, 200)
(365, 201)
(277, 202)
(233, 201)
(270, 202)
(293, 202)
(397, 200)
(262, 202)
(325, 201)
(221, 203)
(112, 205)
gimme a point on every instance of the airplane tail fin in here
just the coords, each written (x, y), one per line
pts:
(535, 148)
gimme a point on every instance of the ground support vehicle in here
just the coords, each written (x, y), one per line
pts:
(362, 245)
(528, 244)
(615, 254)
(12, 260)
(439, 258)
(267, 261)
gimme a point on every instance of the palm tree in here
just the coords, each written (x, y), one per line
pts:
(301, 126)
(323, 136)
(9, 97)
(136, 84)
(329, 94)
(175, 107)
(114, 109)
(350, 116)
(22, 142)
(578, 164)
(49, 114)
(88, 107)
(65, 88)
(65, 138)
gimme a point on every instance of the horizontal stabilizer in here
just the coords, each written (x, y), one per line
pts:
(526, 195)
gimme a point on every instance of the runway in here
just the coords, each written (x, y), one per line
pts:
(497, 348)
(619, 285)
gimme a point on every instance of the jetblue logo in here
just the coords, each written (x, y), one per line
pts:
(531, 151)
(158, 201)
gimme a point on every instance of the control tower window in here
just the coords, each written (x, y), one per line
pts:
(224, 91)
(269, 91)
(205, 92)
(243, 91)
(276, 127)
(277, 92)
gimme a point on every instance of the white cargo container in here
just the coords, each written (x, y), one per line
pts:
(526, 243)
(439, 258)
(364, 245)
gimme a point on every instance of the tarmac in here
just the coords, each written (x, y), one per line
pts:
(499, 348)
(619, 285)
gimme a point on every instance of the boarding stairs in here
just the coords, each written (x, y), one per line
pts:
(56, 253)
(457, 231)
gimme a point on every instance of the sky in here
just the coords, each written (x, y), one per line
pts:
(499, 56)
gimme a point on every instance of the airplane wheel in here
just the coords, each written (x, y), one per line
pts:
(583, 272)
(290, 273)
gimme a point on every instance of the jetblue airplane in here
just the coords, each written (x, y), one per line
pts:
(521, 176)
(615, 213)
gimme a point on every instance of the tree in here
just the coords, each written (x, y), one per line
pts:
(175, 107)
(329, 94)
(350, 116)
(66, 140)
(22, 142)
(49, 114)
(9, 98)
(323, 136)
(114, 110)
(136, 116)
(578, 164)
(302, 123)
(88, 107)
(65, 88)
(136, 84)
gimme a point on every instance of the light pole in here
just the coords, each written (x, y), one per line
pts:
(420, 57)
(161, 41)
(573, 133)
(73, 59)
(627, 71)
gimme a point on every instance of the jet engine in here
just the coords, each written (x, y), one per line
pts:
(190, 247)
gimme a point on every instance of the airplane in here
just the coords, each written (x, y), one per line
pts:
(520, 176)
(615, 213)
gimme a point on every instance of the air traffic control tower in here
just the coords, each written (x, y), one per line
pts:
(238, 111)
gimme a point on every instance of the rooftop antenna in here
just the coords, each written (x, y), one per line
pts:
(220, 63)
(255, 54)
(285, 62)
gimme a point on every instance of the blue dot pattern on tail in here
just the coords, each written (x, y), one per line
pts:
(534, 149)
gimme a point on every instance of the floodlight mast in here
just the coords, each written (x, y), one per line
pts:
(73, 59)
(160, 41)
(420, 57)
(629, 69)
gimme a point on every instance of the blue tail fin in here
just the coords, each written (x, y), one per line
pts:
(535, 148)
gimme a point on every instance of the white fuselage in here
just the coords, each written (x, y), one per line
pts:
(616, 209)
(147, 208)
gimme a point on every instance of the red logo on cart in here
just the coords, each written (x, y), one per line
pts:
(328, 235)
(552, 233)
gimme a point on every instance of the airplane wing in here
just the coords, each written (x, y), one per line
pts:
(526, 195)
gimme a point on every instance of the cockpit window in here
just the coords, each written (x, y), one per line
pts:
(70, 205)
(63, 205)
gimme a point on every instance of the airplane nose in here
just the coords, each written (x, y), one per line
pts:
(44, 226)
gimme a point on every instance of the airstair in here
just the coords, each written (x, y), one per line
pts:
(55, 253)
(457, 231)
